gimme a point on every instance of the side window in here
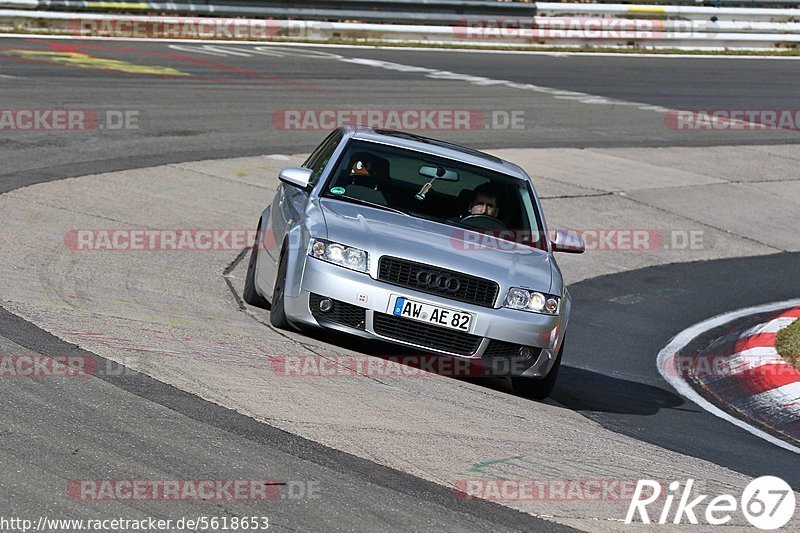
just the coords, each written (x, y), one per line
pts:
(320, 157)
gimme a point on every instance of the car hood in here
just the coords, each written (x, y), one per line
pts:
(382, 232)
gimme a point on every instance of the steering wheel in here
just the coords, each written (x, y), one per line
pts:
(483, 221)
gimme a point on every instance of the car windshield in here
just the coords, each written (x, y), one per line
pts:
(435, 188)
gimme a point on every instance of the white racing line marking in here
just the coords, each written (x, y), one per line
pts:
(277, 51)
(561, 94)
(684, 389)
(272, 49)
(576, 96)
(584, 98)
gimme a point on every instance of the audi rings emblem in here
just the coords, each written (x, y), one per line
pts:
(438, 282)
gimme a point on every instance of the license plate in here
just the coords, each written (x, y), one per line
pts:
(432, 314)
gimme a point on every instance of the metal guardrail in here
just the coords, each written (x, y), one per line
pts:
(426, 12)
(670, 12)
(622, 25)
(411, 11)
(377, 10)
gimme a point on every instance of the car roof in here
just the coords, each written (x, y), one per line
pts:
(446, 149)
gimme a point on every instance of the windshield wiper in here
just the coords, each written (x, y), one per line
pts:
(367, 203)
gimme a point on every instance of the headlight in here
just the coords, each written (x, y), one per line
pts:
(533, 301)
(339, 254)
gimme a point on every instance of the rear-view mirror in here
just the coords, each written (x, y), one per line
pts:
(440, 173)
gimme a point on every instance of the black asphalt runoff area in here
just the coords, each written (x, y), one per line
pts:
(622, 321)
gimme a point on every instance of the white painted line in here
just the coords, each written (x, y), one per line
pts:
(482, 81)
(773, 326)
(565, 54)
(574, 96)
(770, 327)
(8, 76)
(683, 338)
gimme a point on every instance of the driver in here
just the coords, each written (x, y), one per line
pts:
(486, 201)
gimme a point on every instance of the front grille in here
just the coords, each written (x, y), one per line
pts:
(470, 289)
(342, 313)
(433, 337)
(507, 349)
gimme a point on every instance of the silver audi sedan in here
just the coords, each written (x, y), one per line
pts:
(423, 243)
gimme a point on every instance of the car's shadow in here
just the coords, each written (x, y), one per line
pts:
(586, 390)
(576, 389)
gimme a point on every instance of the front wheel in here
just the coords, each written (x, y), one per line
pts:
(277, 316)
(538, 388)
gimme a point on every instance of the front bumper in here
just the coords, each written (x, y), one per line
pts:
(542, 333)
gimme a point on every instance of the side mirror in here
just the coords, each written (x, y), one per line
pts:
(568, 241)
(297, 176)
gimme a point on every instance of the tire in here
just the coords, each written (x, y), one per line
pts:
(250, 294)
(538, 388)
(277, 315)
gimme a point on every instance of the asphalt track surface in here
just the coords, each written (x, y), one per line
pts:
(223, 109)
(222, 105)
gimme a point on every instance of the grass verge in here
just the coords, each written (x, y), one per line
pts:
(788, 344)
